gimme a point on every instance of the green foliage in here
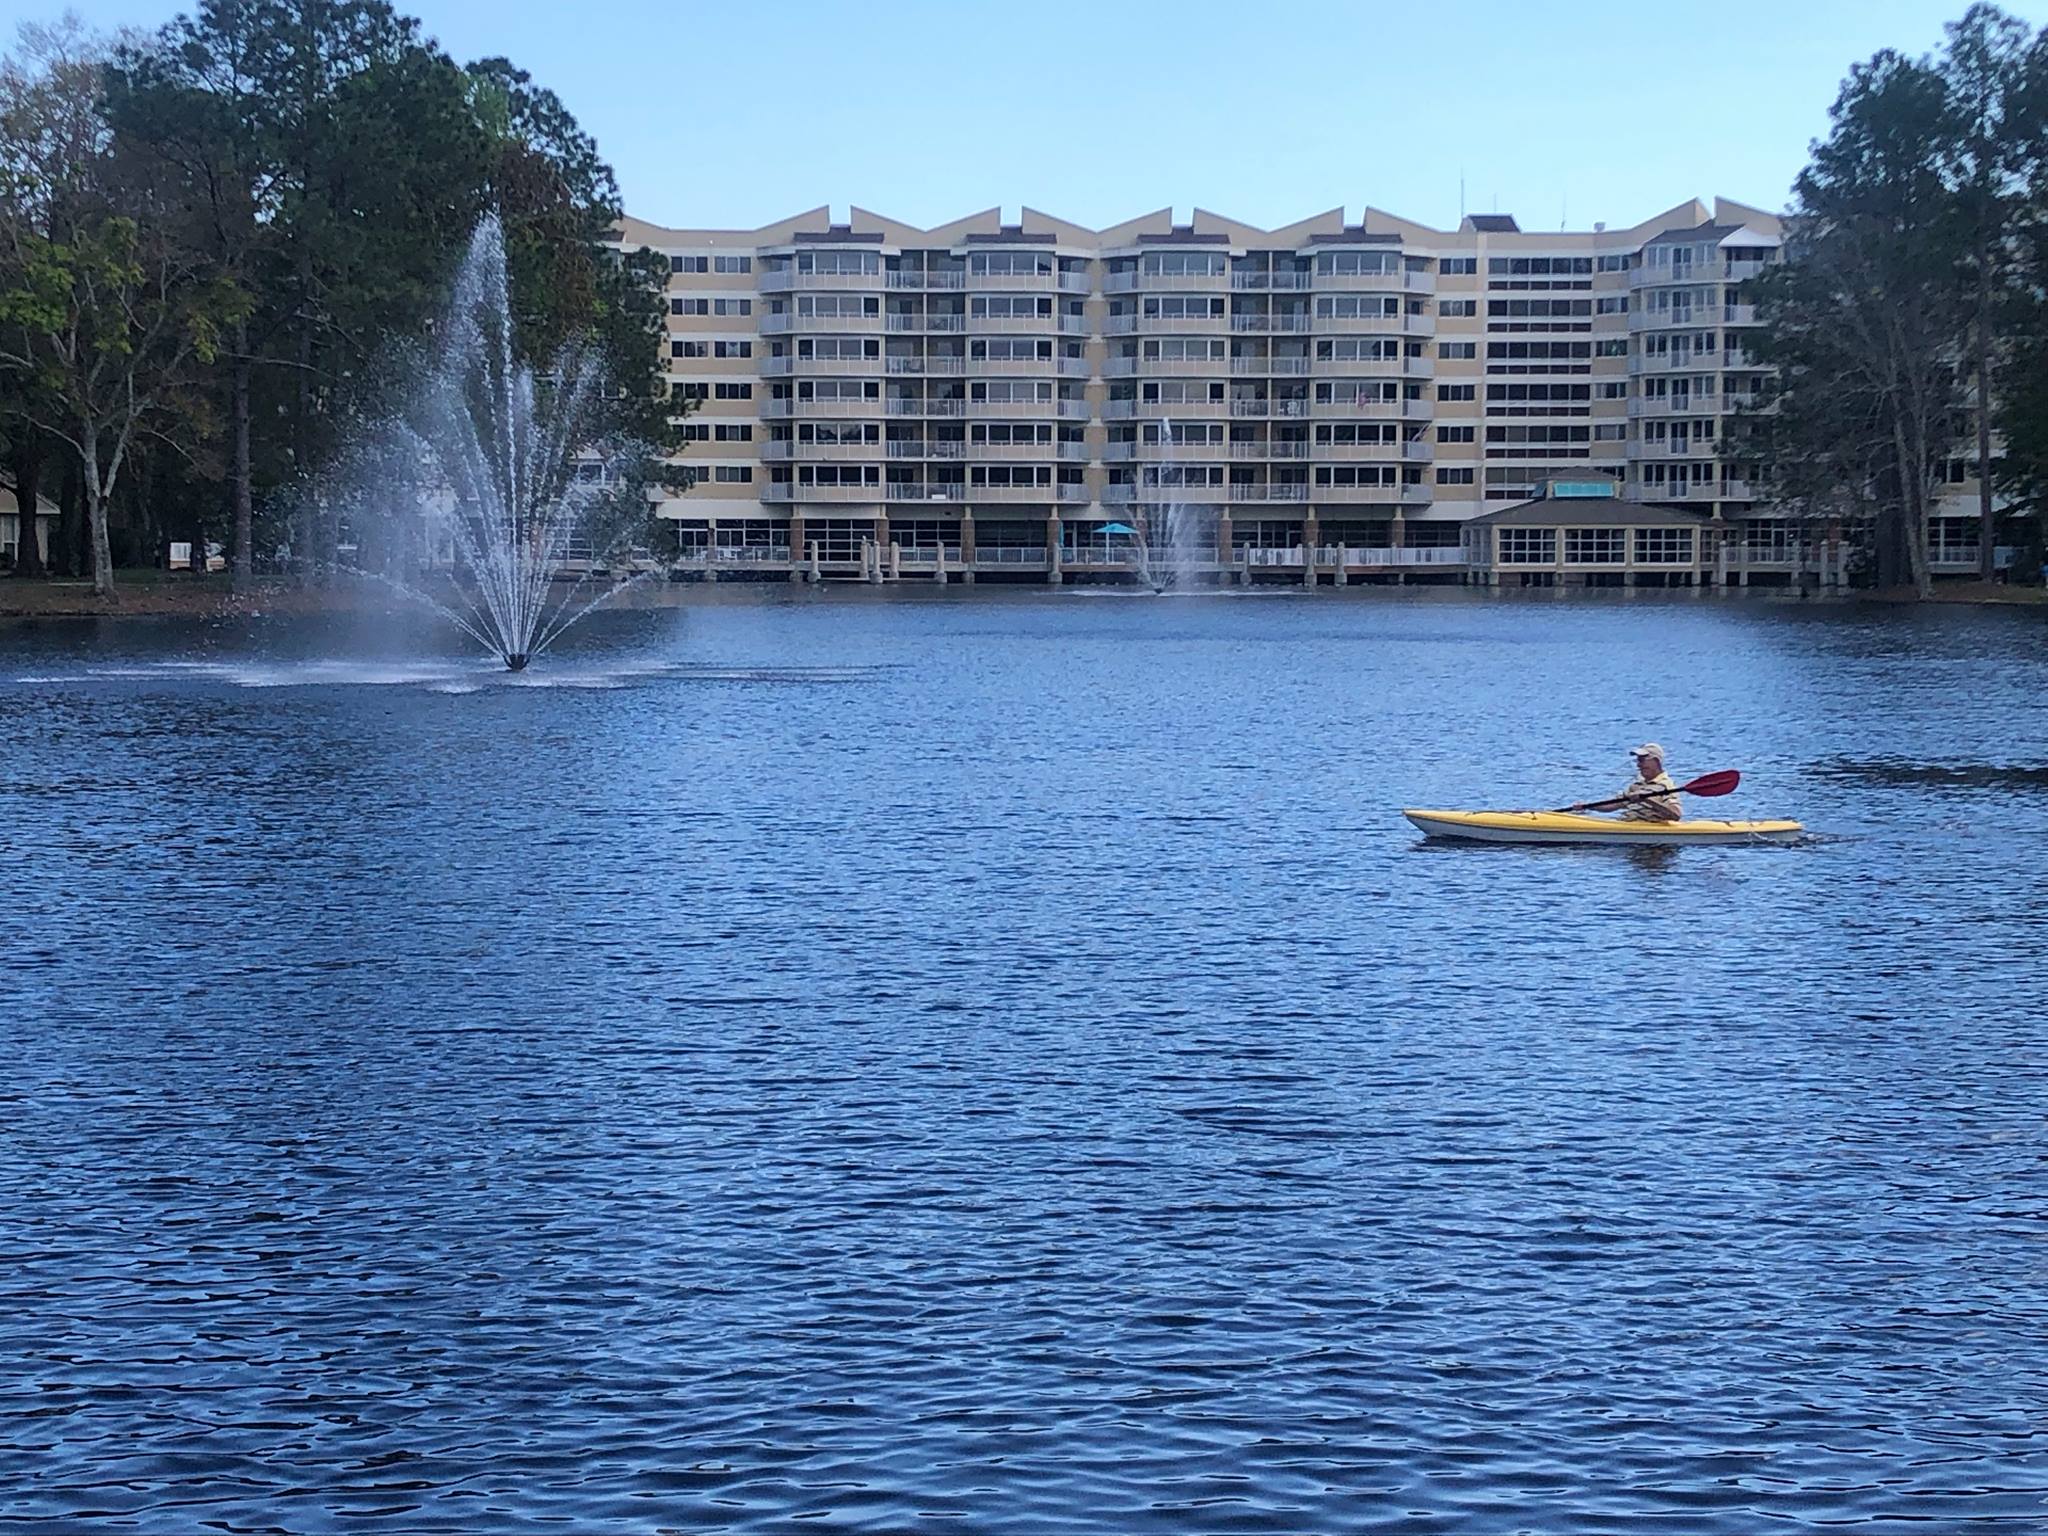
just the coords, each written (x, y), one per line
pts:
(1901, 252)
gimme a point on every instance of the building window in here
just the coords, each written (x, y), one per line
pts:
(732, 349)
(731, 307)
(1454, 477)
(732, 474)
(733, 432)
(1610, 431)
(1616, 347)
(1458, 266)
(1612, 304)
(1614, 389)
(1457, 392)
(733, 392)
(1595, 546)
(1618, 263)
(1457, 350)
(686, 349)
(1663, 546)
(1527, 546)
(731, 264)
(686, 264)
(1457, 309)
(1454, 434)
(689, 306)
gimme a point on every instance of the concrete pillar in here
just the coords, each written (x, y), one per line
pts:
(1343, 561)
(796, 548)
(967, 548)
(1311, 536)
(1397, 530)
(1054, 575)
(1224, 537)
(895, 561)
(817, 571)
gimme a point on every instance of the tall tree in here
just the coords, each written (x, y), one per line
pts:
(1994, 143)
(1869, 315)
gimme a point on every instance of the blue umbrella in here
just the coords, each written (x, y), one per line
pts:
(1118, 528)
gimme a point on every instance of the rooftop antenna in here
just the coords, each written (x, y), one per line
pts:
(1461, 194)
(1564, 204)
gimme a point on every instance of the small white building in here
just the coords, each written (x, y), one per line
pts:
(10, 526)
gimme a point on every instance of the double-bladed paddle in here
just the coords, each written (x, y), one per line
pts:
(1707, 784)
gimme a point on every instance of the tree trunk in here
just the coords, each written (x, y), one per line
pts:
(28, 480)
(95, 509)
(238, 465)
(1987, 519)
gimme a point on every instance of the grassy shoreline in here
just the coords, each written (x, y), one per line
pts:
(159, 594)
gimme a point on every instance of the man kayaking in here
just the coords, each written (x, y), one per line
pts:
(1659, 800)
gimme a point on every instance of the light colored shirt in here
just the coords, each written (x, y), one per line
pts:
(1661, 807)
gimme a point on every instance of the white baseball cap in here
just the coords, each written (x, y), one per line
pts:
(1648, 749)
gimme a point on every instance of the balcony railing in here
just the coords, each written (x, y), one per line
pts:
(1162, 282)
(1010, 556)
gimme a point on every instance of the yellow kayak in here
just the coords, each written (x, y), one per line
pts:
(1562, 827)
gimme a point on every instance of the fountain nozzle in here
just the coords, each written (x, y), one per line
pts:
(515, 661)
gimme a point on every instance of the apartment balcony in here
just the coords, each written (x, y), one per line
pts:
(1012, 367)
(1120, 325)
(1690, 405)
(837, 325)
(1160, 282)
(777, 450)
(772, 409)
(1286, 409)
(1672, 362)
(945, 324)
(787, 281)
(1010, 452)
(1013, 325)
(901, 321)
(1119, 453)
(1418, 368)
(1012, 282)
(1269, 367)
(1697, 272)
(1279, 325)
(1012, 408)
(1240, 495)
(1361, 282)
(1076, 282)
(1012, 493)
(1418, 451)
(1371, 325)
(1738, 314)
(1175, 453)
(1353, 409)
(837, 453)
(1370, 495)
(1285, 282)
(1359, 367)
(1161, 410)
(773, 367)
(841, 493)
(1184, 367)
(1073, 453)
(1182, 325)
(1738, 490)
(919, 281)
(834, 410)
(1074, 325)
(1357, 453)
(1119, 367)
(926, 407)
(838, 367)
(774, 325)
(1737, 358)
(1072, 410)
(1260, 452)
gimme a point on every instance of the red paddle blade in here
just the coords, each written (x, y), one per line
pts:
(1720, 783)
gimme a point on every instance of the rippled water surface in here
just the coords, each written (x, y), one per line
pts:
(1001, 1064)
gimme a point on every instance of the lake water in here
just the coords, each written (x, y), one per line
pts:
(999, 1063)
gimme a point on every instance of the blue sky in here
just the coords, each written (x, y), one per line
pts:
(726, 114)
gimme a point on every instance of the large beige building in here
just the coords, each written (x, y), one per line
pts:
(997, 398)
